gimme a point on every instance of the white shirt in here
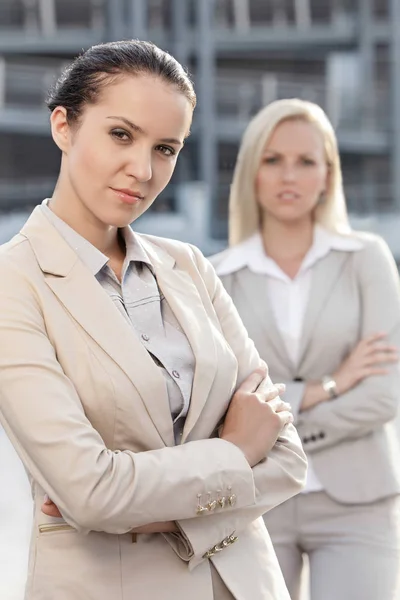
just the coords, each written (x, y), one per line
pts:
(288, 297)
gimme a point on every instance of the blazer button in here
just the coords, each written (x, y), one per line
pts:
(313, 438)
(145, 337)
(305, 440)
(176, 374)
(321, 435)
(232, 539)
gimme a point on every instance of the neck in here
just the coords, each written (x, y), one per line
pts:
(287, 241)
(68, 208)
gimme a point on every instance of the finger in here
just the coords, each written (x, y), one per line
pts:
(279, 405)
(251, 383)
(380, 358)
(47, 500)
(266, 386)
(271, 392)
(51, 510)
(371, 339)
(379, 347)
(369, 372)
(268, 395)
(285, 417)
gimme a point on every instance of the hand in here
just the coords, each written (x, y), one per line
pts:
(364, 361)
(256, 416)
(51, 509)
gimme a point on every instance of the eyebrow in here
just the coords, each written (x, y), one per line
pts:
(140, 130)
(308, 154)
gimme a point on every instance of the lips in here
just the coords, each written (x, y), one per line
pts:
(128, 196)
(288, 196)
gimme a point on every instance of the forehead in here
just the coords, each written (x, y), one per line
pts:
(154, 105)
(296, 135)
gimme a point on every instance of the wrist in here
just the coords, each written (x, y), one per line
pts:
(232, 440)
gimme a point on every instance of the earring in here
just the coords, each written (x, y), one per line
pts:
(322, 197)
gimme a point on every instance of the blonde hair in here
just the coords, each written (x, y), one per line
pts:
(244, 212)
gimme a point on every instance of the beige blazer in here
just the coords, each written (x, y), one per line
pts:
(87, 411)
(352, 440)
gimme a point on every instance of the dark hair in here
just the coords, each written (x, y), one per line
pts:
(83, 80)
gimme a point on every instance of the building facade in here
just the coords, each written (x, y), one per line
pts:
(342, 54)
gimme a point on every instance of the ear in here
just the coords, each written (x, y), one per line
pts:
(60, 129)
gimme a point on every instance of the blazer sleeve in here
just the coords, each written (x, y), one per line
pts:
(375, 400)
(94, 487)
(278, 477)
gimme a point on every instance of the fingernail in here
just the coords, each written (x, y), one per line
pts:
(46, 499)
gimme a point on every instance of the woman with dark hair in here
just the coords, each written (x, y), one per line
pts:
(152, 434)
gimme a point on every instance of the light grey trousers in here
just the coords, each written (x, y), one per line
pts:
(353, 550)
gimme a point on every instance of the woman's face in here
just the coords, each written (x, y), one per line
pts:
(123, 151)
(293, 172)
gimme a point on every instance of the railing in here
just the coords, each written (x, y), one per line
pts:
(26, 85)
(302, 14)
(240, 96)
(381, 9)
(375, 197)
(46, 17)
(25, 191)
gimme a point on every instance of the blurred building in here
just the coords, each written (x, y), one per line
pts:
(342, 54)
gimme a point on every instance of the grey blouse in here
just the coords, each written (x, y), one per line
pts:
(140, 302)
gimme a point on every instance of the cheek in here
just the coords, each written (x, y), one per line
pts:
(264, 183)
(315, 181)
(92, 160)
(162, 172)
(259, 182)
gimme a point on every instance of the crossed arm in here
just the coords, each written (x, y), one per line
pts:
(98, 489)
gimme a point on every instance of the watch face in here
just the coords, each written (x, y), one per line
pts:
(329, 385)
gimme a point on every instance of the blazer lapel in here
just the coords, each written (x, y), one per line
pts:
(73, 284)
(185, 301)
(326, 272)
(255, 288)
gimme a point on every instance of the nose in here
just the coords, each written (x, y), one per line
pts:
(140, 165)
(288, 173)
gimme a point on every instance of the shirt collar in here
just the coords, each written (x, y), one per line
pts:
(251, 253)
(91, 256)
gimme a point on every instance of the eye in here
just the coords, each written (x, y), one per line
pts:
(120, 135)
(308, 161)
(166, 150)
(270, 160)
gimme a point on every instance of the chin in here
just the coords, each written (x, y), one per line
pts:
(120, 218)
(289, 215)
(120, 222)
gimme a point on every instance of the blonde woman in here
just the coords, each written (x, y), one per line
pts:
(322, 304)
